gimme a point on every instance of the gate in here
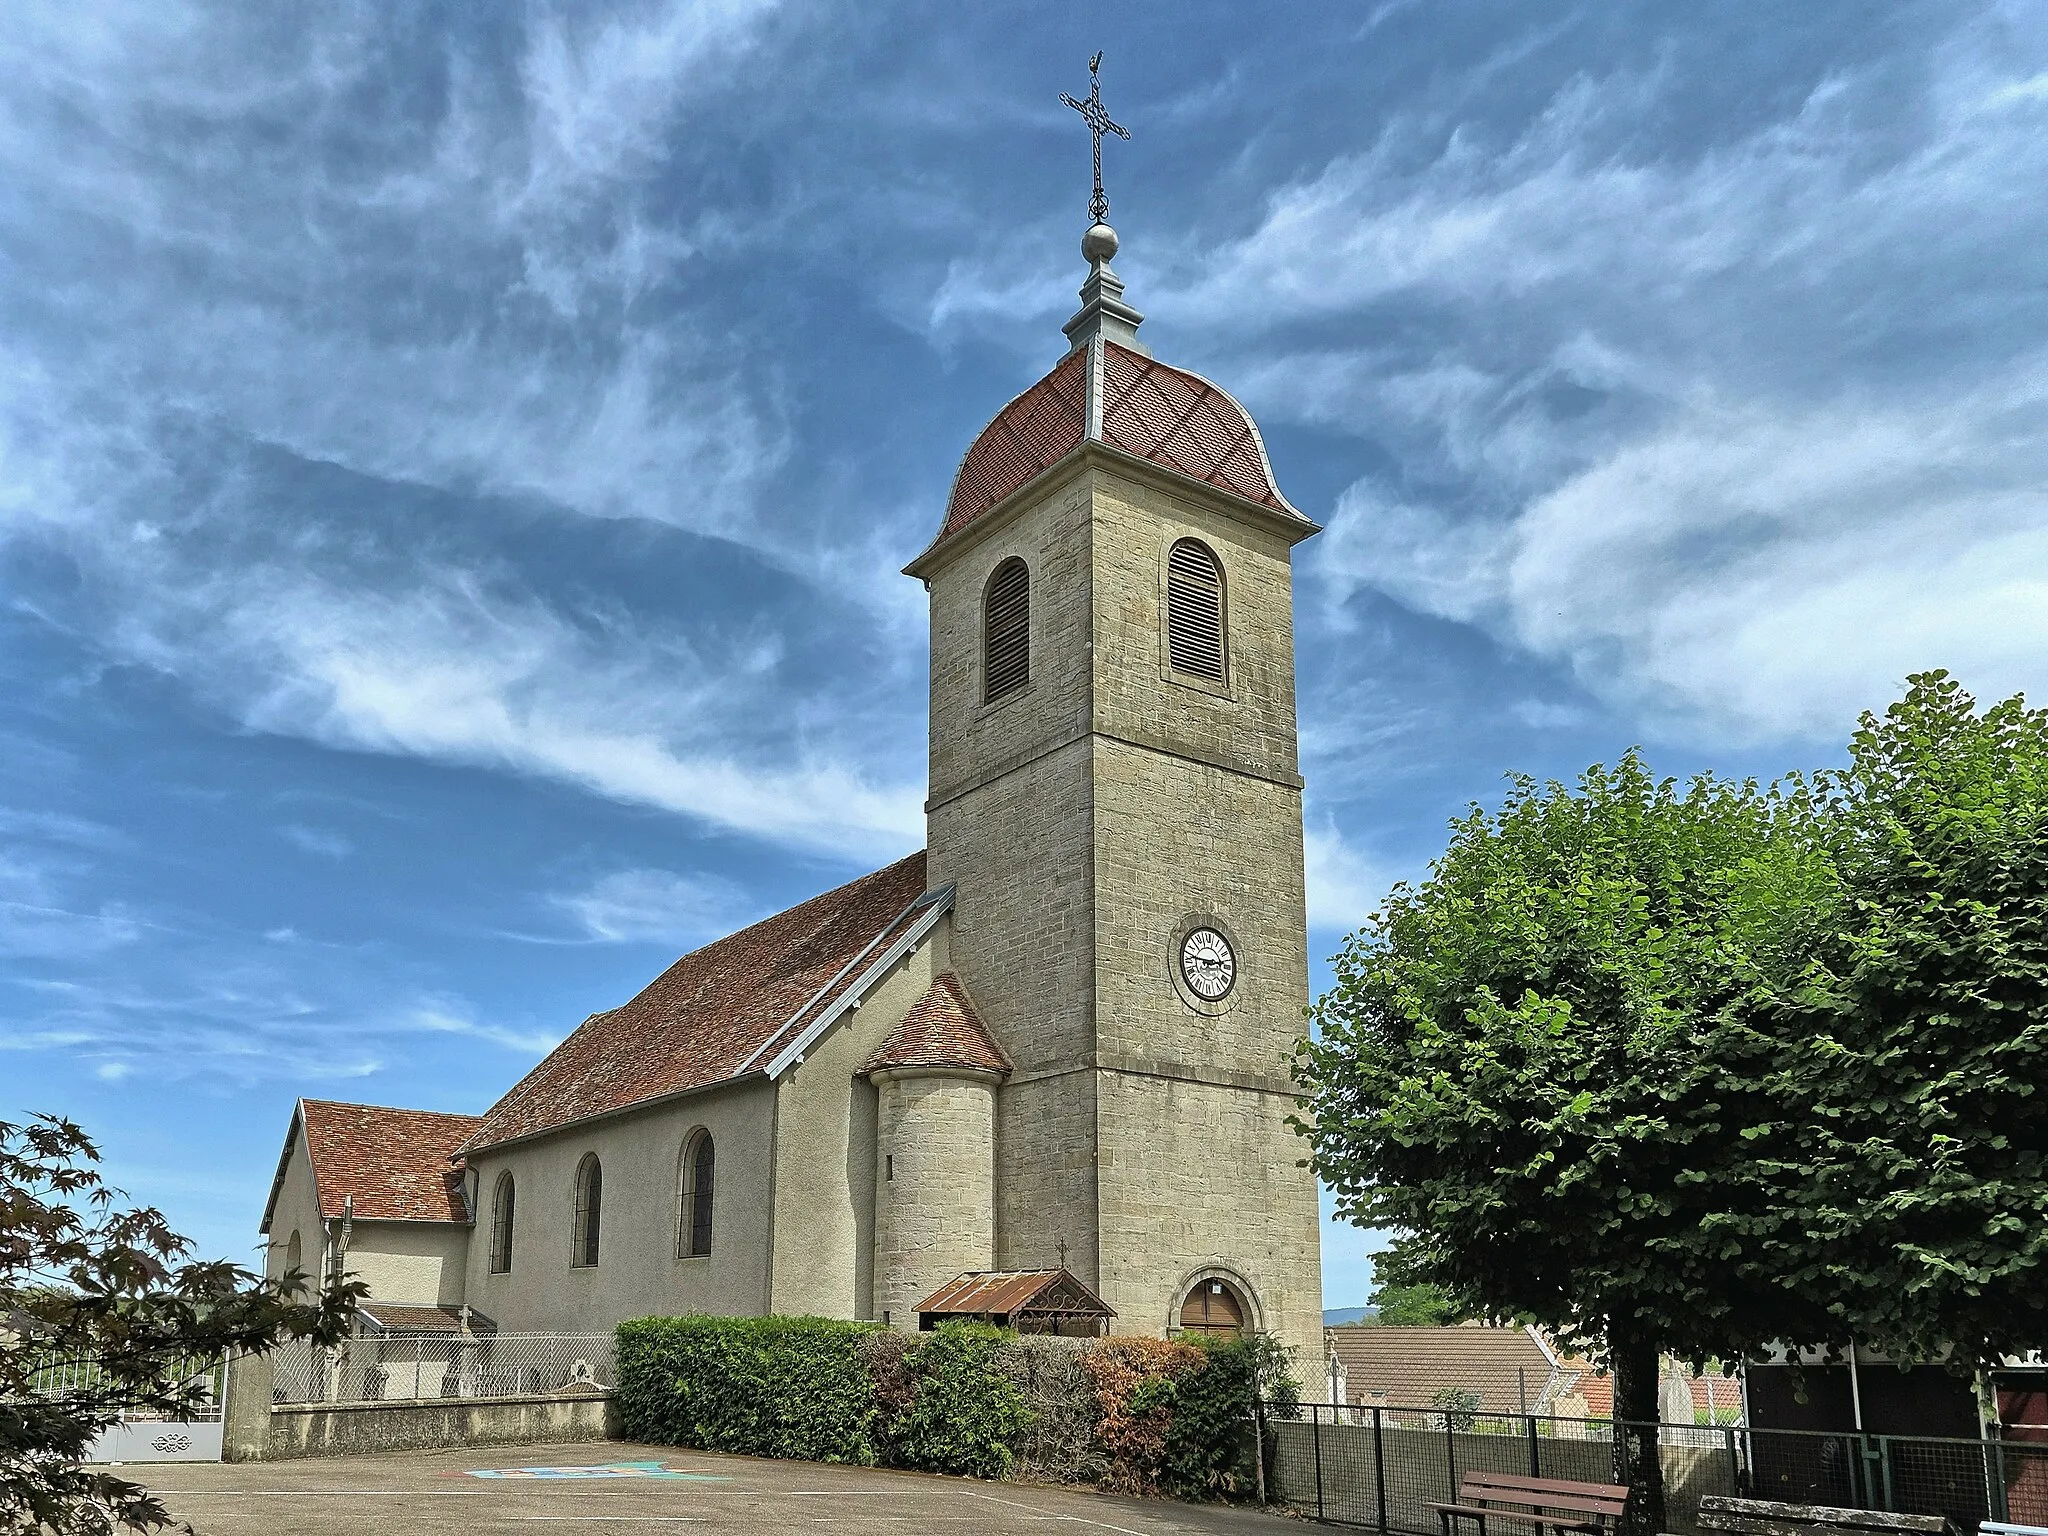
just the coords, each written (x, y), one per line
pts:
(196, 1437)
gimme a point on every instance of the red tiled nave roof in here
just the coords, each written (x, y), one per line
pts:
(940, 1030)
(715, 1012)
(389, 1164)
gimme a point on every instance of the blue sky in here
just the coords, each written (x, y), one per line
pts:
(455, 461)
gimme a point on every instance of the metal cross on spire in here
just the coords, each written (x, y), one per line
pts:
(1099, 122)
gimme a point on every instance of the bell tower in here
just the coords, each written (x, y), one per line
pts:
(1115, 793)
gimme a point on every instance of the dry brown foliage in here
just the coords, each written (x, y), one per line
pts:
(1136, 1382)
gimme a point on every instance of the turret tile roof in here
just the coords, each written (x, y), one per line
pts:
(940, 1030)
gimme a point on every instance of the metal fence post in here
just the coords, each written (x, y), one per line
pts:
(1884, 1467)
(1996, 1503)
(1379, 1470)
(1734, 1471)
(1315, 1429)
(1451, 1456)
(1535, 1469)
(1258, 1444)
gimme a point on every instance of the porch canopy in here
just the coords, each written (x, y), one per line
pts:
(1028, 1300)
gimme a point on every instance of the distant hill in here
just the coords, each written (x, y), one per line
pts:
(1336, 1317)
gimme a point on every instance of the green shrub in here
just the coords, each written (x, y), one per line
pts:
(1209, 1443)
(793, 1387)
(1135, 1415)
(965, 1413)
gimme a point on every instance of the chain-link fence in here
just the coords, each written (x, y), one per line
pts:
(409, 1367)
(1388, 1468)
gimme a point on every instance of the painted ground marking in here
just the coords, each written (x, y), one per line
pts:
(607, 1469)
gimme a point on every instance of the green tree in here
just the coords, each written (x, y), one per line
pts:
(1414, 1306)
(1913, 1093)
(1540, 1066)
(98, 1317)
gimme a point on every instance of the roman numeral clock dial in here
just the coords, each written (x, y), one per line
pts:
(1208, 965)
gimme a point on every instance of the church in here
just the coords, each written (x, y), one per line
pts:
(1046, 1056)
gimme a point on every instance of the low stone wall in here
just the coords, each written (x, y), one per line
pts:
(358, 1429)
(257, 1429)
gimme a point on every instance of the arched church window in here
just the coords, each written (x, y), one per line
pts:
(1194, 610)
(501, 1224)
(1006, 618)
(693, 1221)
(294, 1253)
(589, 1211)
(1213, 1306)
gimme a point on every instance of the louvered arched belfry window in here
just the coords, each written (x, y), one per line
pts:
(1194, 610)
(1006, 630)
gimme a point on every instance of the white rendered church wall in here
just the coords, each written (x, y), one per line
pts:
(934, 1186)
(638, 1273)
(421, 1261)
(418, 1261)
(296, 1210)
(825, 1150)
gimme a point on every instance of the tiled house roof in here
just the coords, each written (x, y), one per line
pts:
(940, 1030)
(388, 1164)
(1404, 1367)
(717, 1013)
(1173, 418)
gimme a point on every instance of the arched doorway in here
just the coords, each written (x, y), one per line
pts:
(1214, 1306)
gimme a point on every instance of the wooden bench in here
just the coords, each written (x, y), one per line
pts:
(1765, 1517)
(1552, 1503)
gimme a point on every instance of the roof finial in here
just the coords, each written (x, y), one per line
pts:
(1099, 122)
(1103, 311)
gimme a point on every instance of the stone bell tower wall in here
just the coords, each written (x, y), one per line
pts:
(1196, 787)
(1197, 815)
(1009, 820)
(1088, 821)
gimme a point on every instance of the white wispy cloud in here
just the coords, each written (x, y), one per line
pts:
(460, 671)
(1343, 886)
(42, 915)
(656, 906)
(462, 298)
(329, 845)
(1739, 436)
(447, 1017)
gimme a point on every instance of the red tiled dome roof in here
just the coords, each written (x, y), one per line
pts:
(1173, 418)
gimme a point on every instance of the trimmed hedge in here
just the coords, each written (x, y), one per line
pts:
(1135, 1415)
(966, 1412)
(790, 1387)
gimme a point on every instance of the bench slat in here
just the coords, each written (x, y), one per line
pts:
(1546, 1484)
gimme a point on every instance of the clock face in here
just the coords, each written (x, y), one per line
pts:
(1207, 964)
